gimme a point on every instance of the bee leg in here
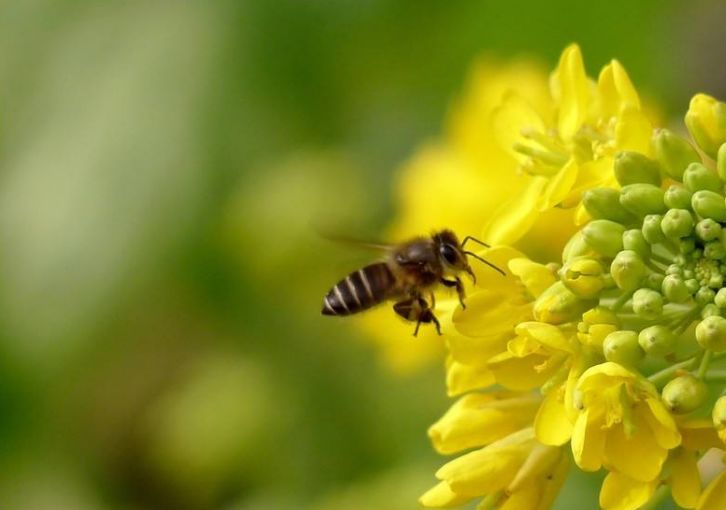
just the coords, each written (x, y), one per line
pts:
(459, 289)
(417, 309)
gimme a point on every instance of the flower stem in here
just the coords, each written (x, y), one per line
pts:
(705, 360)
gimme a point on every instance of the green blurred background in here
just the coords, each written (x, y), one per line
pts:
(162, 169)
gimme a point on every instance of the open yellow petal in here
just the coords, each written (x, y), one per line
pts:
(488, 314)
(478, 419)
(616, 91)
(572, 82)
(714, 496)
(558, 186)
(546, 334)
(552, 425)
(512, 220)
(699, 434)
(638, 456)
(619, 492)
(461, 378)
(633, 132)
(684, 480)
(520, 374)
(588, 442)
(509, 119)
(441, 496)
(661, 423)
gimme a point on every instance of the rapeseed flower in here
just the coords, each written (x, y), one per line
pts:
(604, 344)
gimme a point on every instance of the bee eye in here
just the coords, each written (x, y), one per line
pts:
(449, 253)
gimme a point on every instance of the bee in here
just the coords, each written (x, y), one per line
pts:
(409, 271)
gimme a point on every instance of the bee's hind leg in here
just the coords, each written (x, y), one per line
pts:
(417, 309)
(456, 282)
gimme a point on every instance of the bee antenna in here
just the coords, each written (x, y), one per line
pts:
(486, 262)
(472, 238)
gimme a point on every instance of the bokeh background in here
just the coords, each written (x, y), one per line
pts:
(165, 169)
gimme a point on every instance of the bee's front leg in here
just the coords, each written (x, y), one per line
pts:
(417, 309)
(456, 282)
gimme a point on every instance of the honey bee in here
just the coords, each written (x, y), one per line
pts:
(409, 270)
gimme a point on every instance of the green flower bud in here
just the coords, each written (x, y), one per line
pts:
(708, 230)
(604, 236)
(642, 199)
(698, 177)
(628, 270)
(673, 153)
(721, 162)
(575, 247)
(604, 204)
(622, 347)
(715, 281)
(651, 229)
(711, 333)
(709, 204)
(657, 341)
(600, 315)
(714, 250)
(709, 310)
(558, 304)
(634, 167)
(674, 289)
(654, 281)
(647, 304)
(720, 298)
(677, 197)
(719, 413)
(692, 284)
(677, 223)
(684, 394)
(674, 269)
(706, 121)
(704, 295)
(633, 240)
(583, 276)
(686, 244)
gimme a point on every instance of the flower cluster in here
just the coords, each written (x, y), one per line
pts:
(610, 351)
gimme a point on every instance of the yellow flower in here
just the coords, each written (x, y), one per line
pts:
(622, 424)
(513, 473)
(714, 496)
(706, 121)
(568, 151)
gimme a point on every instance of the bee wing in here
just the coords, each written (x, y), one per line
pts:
(359, 243)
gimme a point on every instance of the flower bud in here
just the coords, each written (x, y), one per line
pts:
(709, 310)
(628, 270)
(654, 281)
(704, 295)
(697, 177)
(719, 415)
(720, 299)
(600, 315)
(622, 347)
(595, 334)
(633, 167)
(677, 197)
(604, 236)
(558, 304)
(711, 333)
(708, 230)
(674, 289)
(721, 162)
(583, 276)
(677, 223)
(604, 204)
(691, 283)
(642, 199)
(686, 244)
(647, 304)
(633, 240)
(706, 121)
(684, 394)
(714, 250)
(576, 247)
(657, 340)
(673, 153)
(651, 229)
(709, 204)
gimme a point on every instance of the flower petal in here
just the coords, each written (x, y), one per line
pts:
(685, 480)
(520, 374)
(441, 496)
(572, 85)
(512, 220)
(638, 456)
(619, 492)
(461, 378)
(551, 425)
(588, 442)
(662, 424)
(558, 186)
(536, 277)
(714, 496)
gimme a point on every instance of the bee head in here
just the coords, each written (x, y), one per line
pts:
(453, 256)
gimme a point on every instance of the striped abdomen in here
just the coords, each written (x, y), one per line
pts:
(359, 290)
